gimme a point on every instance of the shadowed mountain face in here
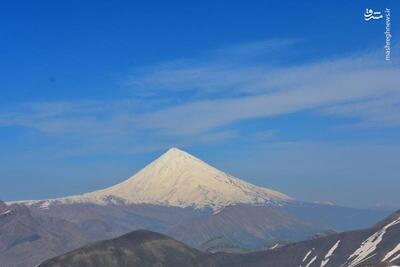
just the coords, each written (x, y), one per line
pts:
(139, 248)
(243, 225)
(26, 239)
(250, 226)
(377, 246)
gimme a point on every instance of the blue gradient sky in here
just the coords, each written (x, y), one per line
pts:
(292, 96)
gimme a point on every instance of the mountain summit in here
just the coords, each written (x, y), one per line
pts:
(182, 180)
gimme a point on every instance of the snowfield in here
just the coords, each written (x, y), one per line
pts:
(366, 249)
(177, 179)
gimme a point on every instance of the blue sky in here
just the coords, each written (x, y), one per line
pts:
(293, 96)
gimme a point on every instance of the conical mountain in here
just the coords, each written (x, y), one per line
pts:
(182, 180)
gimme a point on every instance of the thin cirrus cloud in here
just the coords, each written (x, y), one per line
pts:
(237, 68)
(234, 92)
(205, 97)
(376, 112)
(81, 117)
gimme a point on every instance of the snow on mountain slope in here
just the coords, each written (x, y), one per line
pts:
(370, 245)
(178, 179)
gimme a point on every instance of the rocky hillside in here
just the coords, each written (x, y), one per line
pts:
(27, 239)
(376, 246)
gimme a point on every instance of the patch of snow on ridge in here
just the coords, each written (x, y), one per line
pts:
(178, 179)
(274, 246)
(369, 245)
(308, 254)
(329, 254)
(395, 250)
(5, 213)
(311, 261)
(395, 258)
(45, 205)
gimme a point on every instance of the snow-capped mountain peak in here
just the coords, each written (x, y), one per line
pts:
(180, 179)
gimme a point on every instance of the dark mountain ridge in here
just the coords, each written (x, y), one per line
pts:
(375, 246)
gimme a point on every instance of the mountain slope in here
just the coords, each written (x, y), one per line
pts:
(376, 246)
(244, 225)
(27, 239)
(139, 248)
(181, 180)
(251, 226)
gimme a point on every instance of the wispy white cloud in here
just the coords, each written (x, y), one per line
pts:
(80, 117)
(312, 87)
(375, 112)
(239, 68)
(201, 99)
